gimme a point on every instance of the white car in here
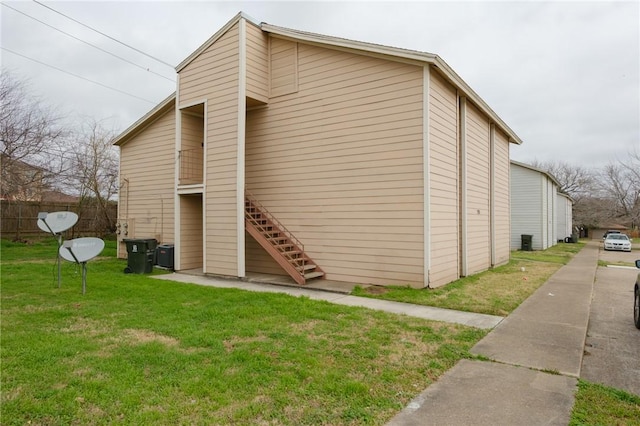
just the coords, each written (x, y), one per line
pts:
(617, 242)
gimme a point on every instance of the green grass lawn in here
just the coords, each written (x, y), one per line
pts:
(497, 291)
(136, 350)
(601, 405)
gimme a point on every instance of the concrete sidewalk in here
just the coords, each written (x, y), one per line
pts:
(536, 355)
(425, 312)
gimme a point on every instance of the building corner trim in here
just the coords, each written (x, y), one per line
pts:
(240, 166)
(426, 158)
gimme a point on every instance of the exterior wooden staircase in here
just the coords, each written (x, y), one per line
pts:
(281, 244)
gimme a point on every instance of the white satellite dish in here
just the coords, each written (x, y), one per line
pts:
(56, 222)
(81, 250)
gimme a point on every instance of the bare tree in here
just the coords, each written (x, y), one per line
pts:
(582, 185)
(31, 142)
(31, 145)
(620, 183)
(93, 171)
(591, 212)
(575, 181)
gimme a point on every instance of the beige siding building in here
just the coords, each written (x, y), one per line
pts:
(285, 152)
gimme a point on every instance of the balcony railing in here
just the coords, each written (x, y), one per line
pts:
(191, 166)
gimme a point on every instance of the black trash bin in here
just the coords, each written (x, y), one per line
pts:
(140, 255)
(525, 242)
(574, 238)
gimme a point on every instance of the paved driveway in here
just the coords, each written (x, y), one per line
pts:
(612, 350)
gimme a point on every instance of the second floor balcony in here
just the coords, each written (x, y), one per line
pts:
(191, 163)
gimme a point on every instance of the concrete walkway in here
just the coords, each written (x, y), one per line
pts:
(425, 312)
(536, 355)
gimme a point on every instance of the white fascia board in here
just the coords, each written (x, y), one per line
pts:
(146, 120)
(349, 44)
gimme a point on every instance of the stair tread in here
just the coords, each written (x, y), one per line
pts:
(311, 275)
(307, 267)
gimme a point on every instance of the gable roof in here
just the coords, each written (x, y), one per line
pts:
(535, 169)
(215, 37)
(397, 53)
(391, 53)
(370, 48)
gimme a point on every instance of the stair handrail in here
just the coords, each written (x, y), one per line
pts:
(254, 201)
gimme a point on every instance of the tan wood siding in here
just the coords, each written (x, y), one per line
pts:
(147, 182)
(283, 66)
(502, 210)
(340, 164)
(191, 231)
(443, 167)
(258, 260)
(214, 76)
(478, 191)
(257, 63)
(214, 72)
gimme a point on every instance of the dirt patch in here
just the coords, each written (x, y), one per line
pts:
(146, 336)
(88, 327)
(376, 289)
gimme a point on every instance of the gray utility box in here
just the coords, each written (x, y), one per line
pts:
(141, 255)
(164, 256)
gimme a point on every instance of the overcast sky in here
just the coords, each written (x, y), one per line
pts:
(565, 76)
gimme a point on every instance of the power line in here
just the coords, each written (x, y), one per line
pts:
(76, 75)
(89, 44)
(106, 35)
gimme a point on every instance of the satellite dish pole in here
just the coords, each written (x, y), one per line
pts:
(43, 217)
(80, 251)
(57, 223)
(69, 245)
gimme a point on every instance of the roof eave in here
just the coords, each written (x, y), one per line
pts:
(136, 127)
(470, 93)
(412, 55)
(349, 44)
(535, 169)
